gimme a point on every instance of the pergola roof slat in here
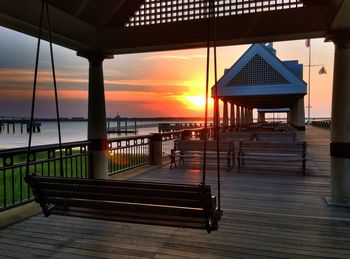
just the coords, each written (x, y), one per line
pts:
(84, 25)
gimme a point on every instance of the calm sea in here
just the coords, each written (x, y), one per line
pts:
(71, 131)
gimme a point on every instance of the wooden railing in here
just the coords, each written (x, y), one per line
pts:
(123, 154)
(44, 160)
(326, 124)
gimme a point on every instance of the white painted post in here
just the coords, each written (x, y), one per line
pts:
(238, 115)
(232, 117)
(225, 113)
(242, 115)
(97, 132)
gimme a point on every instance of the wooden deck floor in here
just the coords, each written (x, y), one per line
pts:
(264, 216)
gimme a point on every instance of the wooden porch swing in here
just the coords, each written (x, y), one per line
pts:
(166, 204)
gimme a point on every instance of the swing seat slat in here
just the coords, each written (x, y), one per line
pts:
(180, 205)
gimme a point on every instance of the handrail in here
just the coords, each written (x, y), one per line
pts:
(37, 148)
(123, 154)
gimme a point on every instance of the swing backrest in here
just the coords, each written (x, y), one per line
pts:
(182, 205)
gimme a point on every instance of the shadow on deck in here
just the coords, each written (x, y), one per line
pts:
(264, 216)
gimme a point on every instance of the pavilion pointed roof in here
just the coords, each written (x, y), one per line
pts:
(260, 75)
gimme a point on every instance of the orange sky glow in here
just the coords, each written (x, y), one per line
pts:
(168, 83)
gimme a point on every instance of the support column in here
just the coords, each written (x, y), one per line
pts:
(246, 115)
(242, 115)
(97, 132)
(263, 117)
(216, 116)
(225, 113)
(156, 149)
(249, 115)
(340, 132)
(293, 112)
(300, 120)
(238, 115)
(259, 117)
(214, 113)
(232, 115)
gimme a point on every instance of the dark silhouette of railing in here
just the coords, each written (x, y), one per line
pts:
(123, 154)
(326, 124)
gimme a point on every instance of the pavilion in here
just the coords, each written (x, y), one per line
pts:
(260, 80)
(98, 30)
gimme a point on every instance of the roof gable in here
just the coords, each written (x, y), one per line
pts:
(257, 72)
(260, 72)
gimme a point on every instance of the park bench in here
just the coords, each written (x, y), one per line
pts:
(275, 136)
(273, 156)
(191, 152)
(231, 135)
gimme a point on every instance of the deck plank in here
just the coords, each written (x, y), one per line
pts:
(265, 216)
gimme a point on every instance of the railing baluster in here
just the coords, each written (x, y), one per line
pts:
(21, 183)
(5, 189)
(124, 153)
(13, 186)
(54, 164)
(71, 163)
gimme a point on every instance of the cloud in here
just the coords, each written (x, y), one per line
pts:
(109, 73)
(22, 79)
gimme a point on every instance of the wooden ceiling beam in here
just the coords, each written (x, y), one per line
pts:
(289, 24)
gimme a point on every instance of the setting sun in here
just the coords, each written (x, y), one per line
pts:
(196, 102)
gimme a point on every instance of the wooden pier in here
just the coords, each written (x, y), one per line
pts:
(117, 130)
(265, 216)
(120, 128)
(10, 124)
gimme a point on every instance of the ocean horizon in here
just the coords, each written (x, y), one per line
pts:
(70, 131)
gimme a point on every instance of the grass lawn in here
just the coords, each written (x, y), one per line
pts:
(13, 188)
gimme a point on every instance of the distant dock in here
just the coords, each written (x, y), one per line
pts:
(122, 126)
(168, 127)
(8, 124)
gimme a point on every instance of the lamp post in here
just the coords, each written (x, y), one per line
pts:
(321, 72)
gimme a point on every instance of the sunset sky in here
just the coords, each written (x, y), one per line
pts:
(168, 83)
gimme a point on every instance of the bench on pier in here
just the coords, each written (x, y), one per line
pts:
(276, 136)
(326, 124)
(180, 205)
(268, 127)
(235, 136)
(192, 151)
(231, 135)
(272, 156)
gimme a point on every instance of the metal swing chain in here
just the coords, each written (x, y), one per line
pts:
(206, 100)
(43, 5)
(55, 89)
(212, 18)
(34, 89)
(216, 109)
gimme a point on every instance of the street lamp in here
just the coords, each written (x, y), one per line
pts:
(320, 72)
